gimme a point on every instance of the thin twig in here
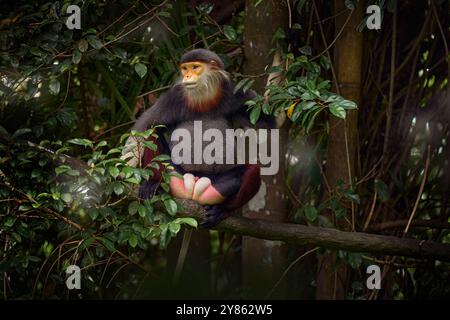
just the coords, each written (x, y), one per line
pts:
(419, 195)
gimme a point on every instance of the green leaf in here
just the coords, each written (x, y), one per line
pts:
(10, 222)
(347, 104)
(35, 51)
(305, 50)
(150, 144)
(133, 240)
(20, 132)
(164, 14)
(189, 221)
(382, 190)
(81, 142)
(61, 169)
(354, 259)
(254, 115)
(248, 85)
(93, 213)
(323, 85)
(340, 213)
(54, 86)
(171, 206)
(94, 41)
(86, 243)
(141, 69)
(76, 57)
(350, 4)
(133, 207)
(336, 110)
(296, 113)
(240, 84)
(107, 243)
(118, 188)
(24, 207)
(274, 69)
(133, 180)
(306, 105)
(174, 227)
(310, 213)
(113, 171)
(82, 45)
(353, 197)
(66, 197)
(142, 211)
(73, 173)
(127, 171)
(325, 222)
(325, 62)
(101, 144)
(161, 157)
(229, 32)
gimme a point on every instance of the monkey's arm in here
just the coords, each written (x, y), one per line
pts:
(161, 113)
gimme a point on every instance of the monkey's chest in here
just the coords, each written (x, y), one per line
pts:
(203, 145)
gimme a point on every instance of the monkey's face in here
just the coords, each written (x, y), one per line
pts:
(202, 83)
(192, 72)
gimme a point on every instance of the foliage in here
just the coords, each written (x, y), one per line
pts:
(66, 97)
(302, 97)
(78, 215)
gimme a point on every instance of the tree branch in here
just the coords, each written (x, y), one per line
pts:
(325, 237)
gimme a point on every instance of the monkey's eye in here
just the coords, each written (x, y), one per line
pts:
(183, 68)
(195, 67)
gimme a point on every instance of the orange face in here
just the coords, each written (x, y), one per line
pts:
(191, 72)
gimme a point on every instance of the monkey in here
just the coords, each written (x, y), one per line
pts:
(204, 92)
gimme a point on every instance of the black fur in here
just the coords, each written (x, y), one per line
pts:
(202, 55)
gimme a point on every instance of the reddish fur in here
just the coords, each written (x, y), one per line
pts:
(250, 183)
(147, 159)
(204, 106)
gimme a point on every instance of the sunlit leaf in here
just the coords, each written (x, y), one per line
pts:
(141, 69)
(54, 86)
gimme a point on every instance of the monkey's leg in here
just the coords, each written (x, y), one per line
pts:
(214, 192)
(205, 193)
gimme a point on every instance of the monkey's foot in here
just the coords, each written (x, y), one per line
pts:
(214, 214)
(205, 193)
(182, 188)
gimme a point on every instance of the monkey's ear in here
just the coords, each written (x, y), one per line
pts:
(214, 63)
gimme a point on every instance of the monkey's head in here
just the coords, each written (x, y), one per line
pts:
(203, 78)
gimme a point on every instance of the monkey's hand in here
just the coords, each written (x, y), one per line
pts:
(133, 151)
(214, 214)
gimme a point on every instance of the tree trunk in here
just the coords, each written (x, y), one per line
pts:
(343, 135)
(263, 261)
